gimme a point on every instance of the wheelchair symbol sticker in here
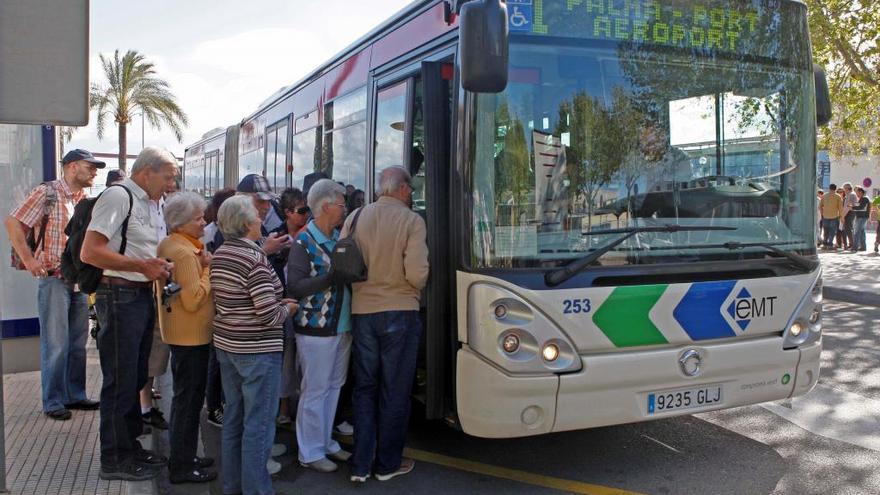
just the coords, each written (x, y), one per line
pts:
(520, 17)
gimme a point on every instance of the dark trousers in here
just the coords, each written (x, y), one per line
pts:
(126, 315)
(829, 227)
(189, 370)
(214, 392)
(385, 351)
(848, 229)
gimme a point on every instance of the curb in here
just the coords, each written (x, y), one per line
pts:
(851, 296)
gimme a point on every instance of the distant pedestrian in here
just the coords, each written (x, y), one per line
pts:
(831, 206)
(861, 212)
(185, 321)
(323, 328)
(387, 325)
(63, 309)
(115, 177)
(248, 340)
(849, 203)
(126, 308)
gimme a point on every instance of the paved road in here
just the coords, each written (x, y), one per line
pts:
(824, 443)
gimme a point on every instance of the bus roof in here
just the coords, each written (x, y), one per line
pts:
(412, 9)
(208, 136)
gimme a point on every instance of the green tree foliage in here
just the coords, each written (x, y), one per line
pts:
(846, 41)
(133, 88)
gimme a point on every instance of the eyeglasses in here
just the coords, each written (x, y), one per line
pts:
(302, 210)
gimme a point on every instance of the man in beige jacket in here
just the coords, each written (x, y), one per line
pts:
(387, 326)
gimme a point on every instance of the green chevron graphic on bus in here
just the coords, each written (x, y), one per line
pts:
(624, 316)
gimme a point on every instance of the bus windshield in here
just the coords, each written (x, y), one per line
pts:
(622, 114)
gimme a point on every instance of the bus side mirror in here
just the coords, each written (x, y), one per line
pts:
(484, 51)
(823, 97)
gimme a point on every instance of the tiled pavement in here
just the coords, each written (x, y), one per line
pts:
(48, 457)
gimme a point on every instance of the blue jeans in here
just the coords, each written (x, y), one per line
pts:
(64, 329)
(385, 350)
(860, 241)
(126, 315)
(829, 227)
(250, 384)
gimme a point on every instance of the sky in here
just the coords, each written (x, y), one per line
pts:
(221, 58)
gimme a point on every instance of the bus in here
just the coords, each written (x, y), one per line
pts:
(205, 163)
(619, 196)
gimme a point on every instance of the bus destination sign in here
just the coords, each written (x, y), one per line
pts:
(710, 25)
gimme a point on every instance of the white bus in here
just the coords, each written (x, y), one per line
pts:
(625, 231)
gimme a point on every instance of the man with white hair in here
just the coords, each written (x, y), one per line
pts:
(126, 308)
(387, 326)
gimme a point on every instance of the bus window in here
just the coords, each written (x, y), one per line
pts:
(391, 127)
(305, 150)
(345, 139)
(276, 155)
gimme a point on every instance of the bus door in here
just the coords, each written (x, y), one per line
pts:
(412, 128)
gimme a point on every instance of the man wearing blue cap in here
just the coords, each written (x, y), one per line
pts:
(63, 309)
(257, 187)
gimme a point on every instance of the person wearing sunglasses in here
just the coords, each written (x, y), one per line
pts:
(296, 216)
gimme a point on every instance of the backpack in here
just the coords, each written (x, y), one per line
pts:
(346, 261)
(72, 267)
(35, 241)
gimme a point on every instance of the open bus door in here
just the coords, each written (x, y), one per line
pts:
(412, 126)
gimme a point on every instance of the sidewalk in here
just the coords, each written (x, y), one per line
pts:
(852, 277)
(49, 457)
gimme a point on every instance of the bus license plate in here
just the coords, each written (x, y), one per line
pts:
(659, 402)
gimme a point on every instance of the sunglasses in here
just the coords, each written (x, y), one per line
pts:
(302, 210)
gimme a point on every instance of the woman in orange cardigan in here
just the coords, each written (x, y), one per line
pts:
(185, 320)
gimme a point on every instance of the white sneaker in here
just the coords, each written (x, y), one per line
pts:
(273, 466)
(340, 456)
(322, 465)
(344, 428)
(278, 449)
(359, 479)
(406, 465)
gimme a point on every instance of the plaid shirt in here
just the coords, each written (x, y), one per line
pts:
(30, 212)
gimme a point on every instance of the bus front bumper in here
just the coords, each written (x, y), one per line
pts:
(623, 387)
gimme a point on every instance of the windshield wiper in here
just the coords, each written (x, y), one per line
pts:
(560, 275)
(801, 261)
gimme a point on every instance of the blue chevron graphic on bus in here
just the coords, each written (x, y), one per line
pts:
(699, 312)
(745, 308)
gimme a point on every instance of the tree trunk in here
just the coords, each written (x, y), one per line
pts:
(123, 148)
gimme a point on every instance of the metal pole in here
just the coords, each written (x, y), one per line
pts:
(2, 427)
(142, 130)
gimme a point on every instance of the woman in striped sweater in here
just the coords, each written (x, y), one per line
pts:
(248, 339)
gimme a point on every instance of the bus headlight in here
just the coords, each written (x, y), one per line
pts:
(506, 329)
(550, 352)
(510, 344)
(805, 327)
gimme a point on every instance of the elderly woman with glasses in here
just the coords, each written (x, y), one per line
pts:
(322, 325)
(185, 322)
(248, 338)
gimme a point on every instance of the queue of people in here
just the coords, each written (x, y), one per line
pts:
(845, 212)
(257, 325)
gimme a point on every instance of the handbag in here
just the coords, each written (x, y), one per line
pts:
(346, 261)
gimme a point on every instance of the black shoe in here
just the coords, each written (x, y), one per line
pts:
(215, 417)
(149, 458)
(194, 476)
(128, 471)
(203, 462)
(84, 405)
(154, 417)
(59, 414)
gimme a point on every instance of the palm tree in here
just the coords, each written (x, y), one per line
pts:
(134, 88)
(65, 134)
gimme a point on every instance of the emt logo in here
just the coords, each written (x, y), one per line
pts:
(745, 308)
